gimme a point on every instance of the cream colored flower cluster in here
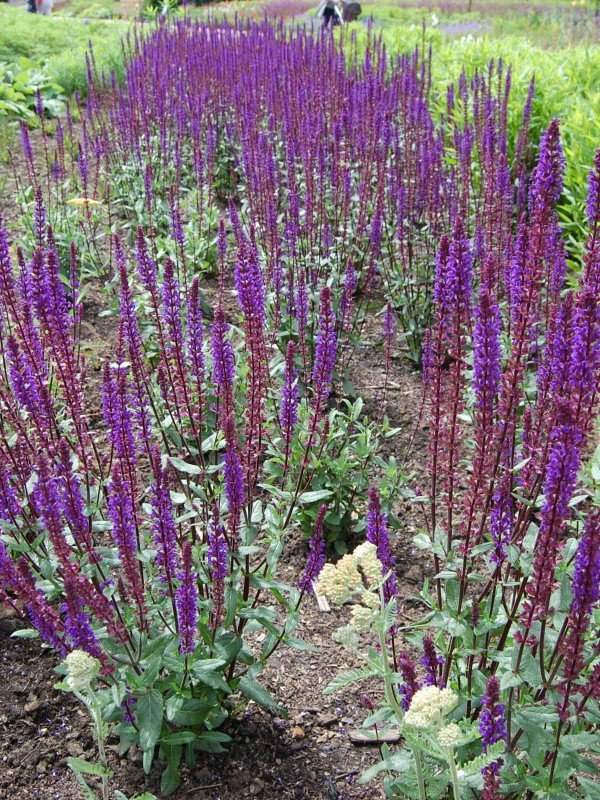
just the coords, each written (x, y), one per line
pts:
(346, 579)
(361, 618)
(82, 669)
(449, 735)
(339, 582)
(366, 558)
(428, 707)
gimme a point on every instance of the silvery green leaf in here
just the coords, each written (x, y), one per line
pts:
(86, 767)
(149, 716)
(314, 497)
(400, 761)
(184, 466)
(25, 633)
(352, 676)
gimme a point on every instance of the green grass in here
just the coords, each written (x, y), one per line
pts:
(60, 44)
(554, 27)
(92, 9)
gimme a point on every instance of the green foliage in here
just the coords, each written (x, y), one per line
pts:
(92, 9)
(19, 85)
(153, 9)
(60, 48)
(341, 467)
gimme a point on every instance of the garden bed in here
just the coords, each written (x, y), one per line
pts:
(253, 300)
(304, 755)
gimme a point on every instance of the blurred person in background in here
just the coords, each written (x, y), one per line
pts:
(45, 7)
(330, 11)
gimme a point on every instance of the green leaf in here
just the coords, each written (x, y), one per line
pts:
(299, 644)
(592, 788)
(530, 670)
(25, 633)
(89, 793)
(209, 663)
(509, 679)
(170, 780)
(181, 737)
(213, 679)
(183, 466)
(146, 796)
(574, 742)
(210, 443)
(352, 676)
(314, 497)
(80, 766)
(536, 715)
(398, 762)
(149, 716)
(182, 711)
(379, 717)
(390, 613)
(147, 759)
(212, 741)
(258, 693)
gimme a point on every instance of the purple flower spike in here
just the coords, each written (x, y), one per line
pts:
(216, 558)
(378, 534)
(325, 352)
(492, 725)
(389, 323)
(432, 663)
(163, 527)
(411, 684)
(546, 182)
(501, 519)
(289, 398)
(77, 623)
(223, 359)
(586, 590)
(234, 480)
(316, 554)
(561, 476)
(593, 198)
(486, 351)
(186, 602)
(124, 532)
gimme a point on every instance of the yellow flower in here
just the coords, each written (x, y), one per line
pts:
(84, 201)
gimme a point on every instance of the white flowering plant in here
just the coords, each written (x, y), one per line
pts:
(81, 672)
(441, 752)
